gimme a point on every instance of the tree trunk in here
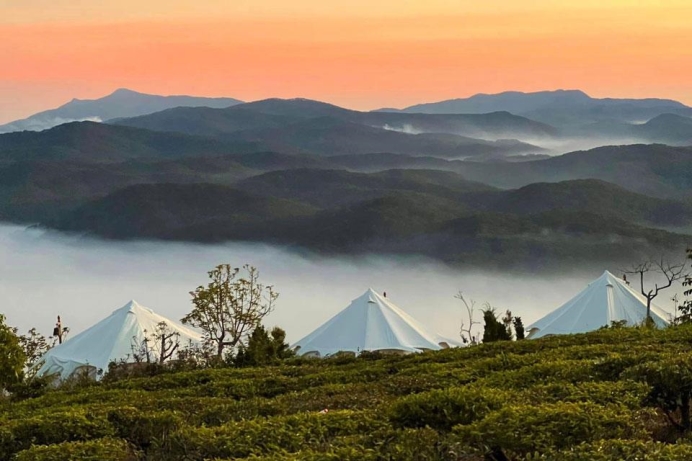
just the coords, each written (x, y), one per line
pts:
(641, 281)
(685, 412)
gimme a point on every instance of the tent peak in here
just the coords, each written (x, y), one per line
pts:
(133, 306)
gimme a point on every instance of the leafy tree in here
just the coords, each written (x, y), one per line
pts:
(34, 345)
(671, 272)
(263, 348)
(494, 330)
(230, 306)
(12, 358)
(519, 328)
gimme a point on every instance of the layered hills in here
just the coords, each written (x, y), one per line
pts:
(462, 188)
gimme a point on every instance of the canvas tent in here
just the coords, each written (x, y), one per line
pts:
(370, 323)
(607, 299)
(111, 339)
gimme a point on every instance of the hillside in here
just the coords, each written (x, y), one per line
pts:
(667, 127)
(329, 188)
(564, 398)
(201, 212)
(277, 112)
(655, 170)
(596, 197)
(426, 213)
(331, 136)
(98, 142)
(121, 103)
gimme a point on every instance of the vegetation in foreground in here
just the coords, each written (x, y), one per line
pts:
(614, 394)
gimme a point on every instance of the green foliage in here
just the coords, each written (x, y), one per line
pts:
(12, 356)
(143, 428)
(670, 380)
(244, 438)
(576, 398)
(51, 428)
(263, 348)
(35, 345)
(622, 450)
(518, 328)
(105, 449)
(230, 307)
(442, 409)
(494, 330)
(524, 429)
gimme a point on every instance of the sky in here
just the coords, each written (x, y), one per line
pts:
(360, 54)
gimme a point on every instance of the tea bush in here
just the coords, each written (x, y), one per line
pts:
(615, 394)
(105, 449)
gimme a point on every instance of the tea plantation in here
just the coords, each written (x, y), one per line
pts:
(615, 394)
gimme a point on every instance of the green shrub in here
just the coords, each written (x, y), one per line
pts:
(105, 449)
(524, 429)
(619, 450)
(265, 436)
(49, 429)
(670, 382)
(443, 409)
(627, 393)
(143, 428)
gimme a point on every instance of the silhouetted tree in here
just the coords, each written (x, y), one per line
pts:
(263, 348)
(467, 324)
(493, 330)
(230, 307)
(519, 328)
(671, 272)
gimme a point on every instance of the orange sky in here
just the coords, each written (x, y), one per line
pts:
(357, 53)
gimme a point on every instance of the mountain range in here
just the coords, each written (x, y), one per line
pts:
(562, 108)
(120, 103)
(479, 189)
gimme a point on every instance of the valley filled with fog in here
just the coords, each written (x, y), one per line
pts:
(83, 280)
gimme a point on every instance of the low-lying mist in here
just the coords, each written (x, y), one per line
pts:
(83, 280)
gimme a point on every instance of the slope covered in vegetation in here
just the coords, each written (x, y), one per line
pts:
(615, 394)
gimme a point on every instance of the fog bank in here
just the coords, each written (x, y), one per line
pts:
(45, 274)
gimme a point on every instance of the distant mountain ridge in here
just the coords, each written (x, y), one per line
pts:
(561, 108)
(305, 126)
(120, 103)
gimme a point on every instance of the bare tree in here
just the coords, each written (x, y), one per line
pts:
(230, 307)
(467, 323)
(507, 322)
(141, 352)
(671, 272)
(686, 306)
(166, 342)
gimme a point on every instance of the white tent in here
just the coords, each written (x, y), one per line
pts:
(370, 323)
(111, 339)
(607, 299)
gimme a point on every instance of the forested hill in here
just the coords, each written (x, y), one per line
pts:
(611, 395)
